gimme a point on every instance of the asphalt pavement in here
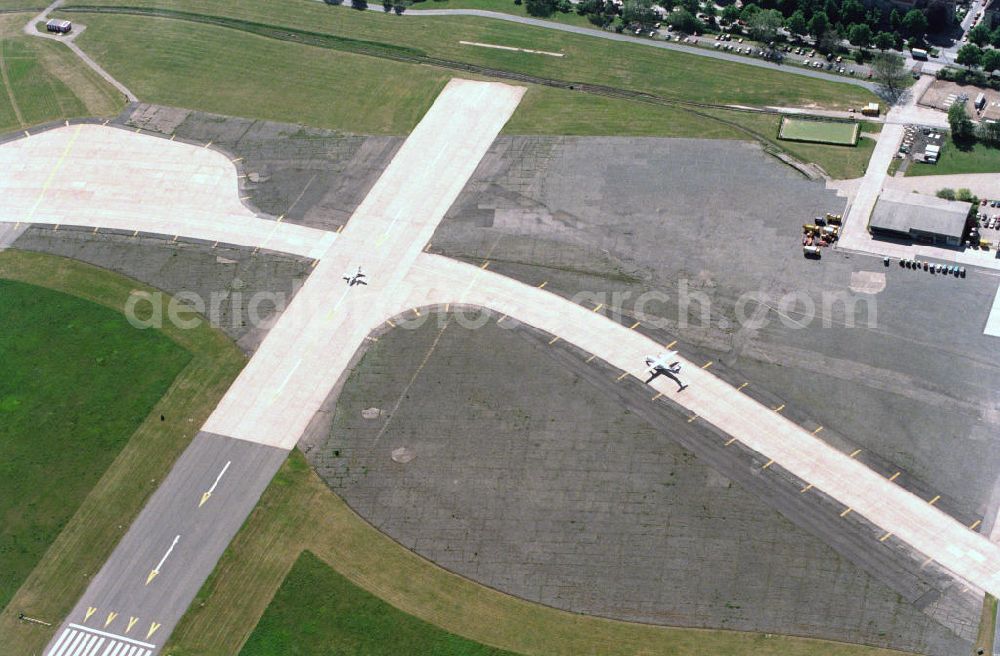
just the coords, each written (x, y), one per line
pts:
(160, 564)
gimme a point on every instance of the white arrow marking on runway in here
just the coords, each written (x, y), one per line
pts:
(156, 570)
(206, 495)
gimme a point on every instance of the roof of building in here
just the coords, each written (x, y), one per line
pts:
(900, 211)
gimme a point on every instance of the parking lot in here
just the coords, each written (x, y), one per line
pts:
(915, 142)
(988, 221)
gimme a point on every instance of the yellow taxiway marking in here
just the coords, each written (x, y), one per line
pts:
(599, 306)
(934, 500)
(731, 440)
(67, 123)
(484, 264)
(780, 408)
(111, 618)
(173, 136)
(501, 318)
(280, 218)
(658, 395)
(768, 463)
(588, 359)
(152, 575)
(238, 159)
(692, 418)
(313, 265)
(974, 525)
(707, 365)
(622, 376)
(56, 228)
(806, 488)
(671, 344)
(152, 629)
(846, 512)
(138, 129)
(447, 307)
(136, 234)
(885, 537)
(209, 144)
(542, 286)
(106, 121)
(553, 340)
(96, 229)
(27, 134)
(131, 623)
(635, 325)
(742, 386)
(894, 476)
(817, 430)
(339, 228)
(427, 249)
(416, 312)
(215, 244)
(174, 240)
(156, 570)
(244, 197)
(90, 611)
(371, 339)
(855, 452)
(389, 321)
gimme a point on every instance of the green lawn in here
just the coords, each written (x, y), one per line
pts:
(502, 6)
(77, 381)
(978, 159)
(41, 80)
(587, 59)
(829, 132)
(316, 611)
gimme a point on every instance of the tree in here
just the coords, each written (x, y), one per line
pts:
(359, 4)
(819, 24)
(989, 132)
(387, 6)
(639, 12)
(980, 35)
(400, 6)
(970, 55)
(991, 60)
(541, 8)
(962, 129)
(895, 20)
(938, 17)
(889, 71)
(859, 34)
(764, 25)
(684, 21)
(852, 11)
(995, 37)
(828, 41)
(915, 23)
(796, 23)
(884, 41)
(730, 13)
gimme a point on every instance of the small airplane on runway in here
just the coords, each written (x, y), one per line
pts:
(355, 278)
(664, 365)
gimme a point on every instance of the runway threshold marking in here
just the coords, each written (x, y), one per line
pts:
(208, 493)
(156, 570)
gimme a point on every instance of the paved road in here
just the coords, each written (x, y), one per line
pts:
(171, 548)
(310, 349)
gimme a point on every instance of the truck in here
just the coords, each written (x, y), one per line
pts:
(811, 251)
(918, 53)
(871, 109)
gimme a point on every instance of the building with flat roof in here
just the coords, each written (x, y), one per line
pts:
(927, 219)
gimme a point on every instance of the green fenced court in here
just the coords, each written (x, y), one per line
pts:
(839, 133)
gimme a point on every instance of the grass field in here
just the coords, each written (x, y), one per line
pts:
(121, 490)
(298, 512)
(824, 132)
(78, 380)
(318, 611)
(502, 6)
(587, 59)
(978, 159)
(43, 81)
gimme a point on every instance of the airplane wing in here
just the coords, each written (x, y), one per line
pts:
(663, 360)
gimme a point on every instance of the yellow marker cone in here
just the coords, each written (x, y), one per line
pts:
(131, 623)
(152, 575)
(152, 629)
(90, 611)
(111, 618)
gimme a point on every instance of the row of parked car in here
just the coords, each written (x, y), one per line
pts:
(947, 269)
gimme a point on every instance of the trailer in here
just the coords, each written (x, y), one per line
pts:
(59, 26)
